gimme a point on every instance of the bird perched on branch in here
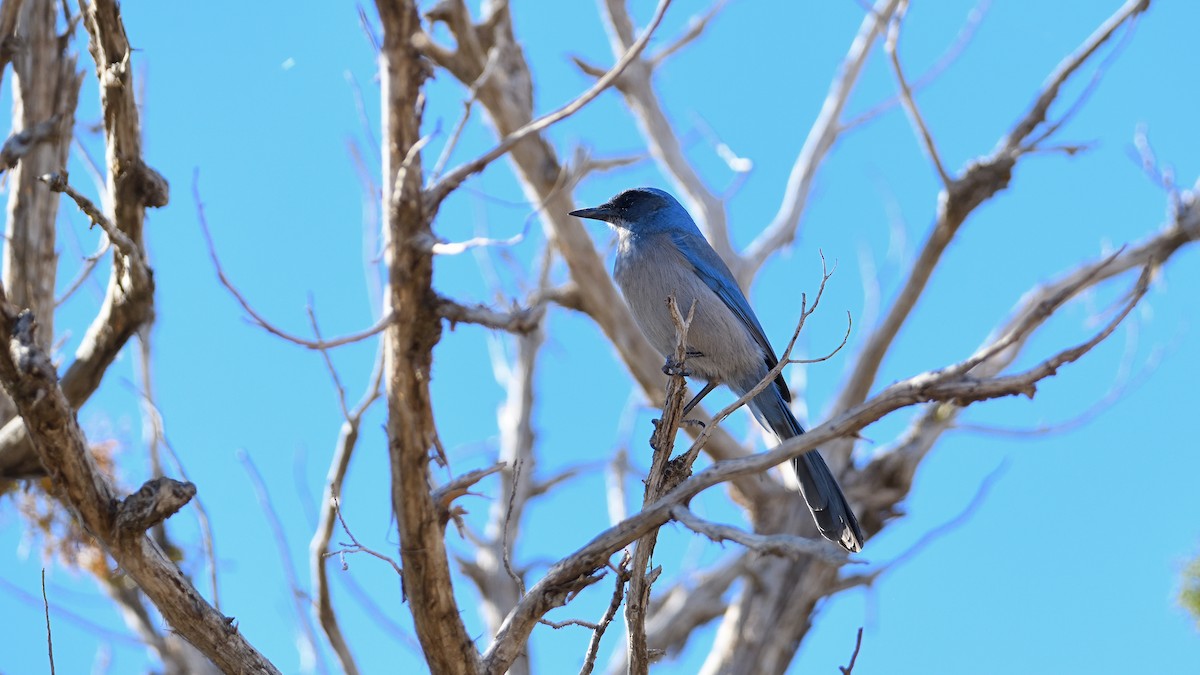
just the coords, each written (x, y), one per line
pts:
(661, 251)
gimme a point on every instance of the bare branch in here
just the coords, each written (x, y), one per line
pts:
(571, 571)
(319, 545)
(49, 637)
(29, 377)
(259, 319)
(965, 34)
(778, 544)
(661, 138)
(356, 547)
(296, 592)
(658, 482)
(438, 192)
(978, 183)
(1063, 72)
(906, 95)
(57, 182)
(849, 668)
(619, 581)
(695, 29)
(820, 140)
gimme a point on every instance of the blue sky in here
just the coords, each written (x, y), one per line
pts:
(1070, 563)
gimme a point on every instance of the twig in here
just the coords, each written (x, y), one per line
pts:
(657, 483)
(1039, 314)
(319, 545)
(436, 193)
(94, 629)
(965, 34)
(778, 544)
(473, 95)
(620, 579)
(356, 547)
(49, 637)
(57, 182)
(505, 545)
(768, 380)
(457, 247)
(1065, 69)
(285, 556)
(849, 668)
(333, 374)
(906, 96)
(257, 318)
(90, 263)
(817, 145)
(1088, 90)
(695, 29)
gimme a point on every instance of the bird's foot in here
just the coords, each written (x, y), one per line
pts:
(674, 368)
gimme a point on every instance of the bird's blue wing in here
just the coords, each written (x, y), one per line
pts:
(716, 275)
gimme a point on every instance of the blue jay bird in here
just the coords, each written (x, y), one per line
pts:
(661, 251)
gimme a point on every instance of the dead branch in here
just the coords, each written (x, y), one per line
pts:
(408, 347)
(981, 180)
(255, 316)
(568, 574)
(319, 545)
(619, 580)
(295, 591)
(951, 54)
(906, 95)
(456, 176)
(30, 379)
(657, 484)
(849, 668)
(821, 137)
(132, 186)
(779, 544)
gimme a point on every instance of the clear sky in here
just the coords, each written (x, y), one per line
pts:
(1070, 562)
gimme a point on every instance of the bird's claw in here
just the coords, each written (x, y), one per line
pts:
(674, 368)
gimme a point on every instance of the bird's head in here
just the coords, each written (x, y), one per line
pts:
(640, 211)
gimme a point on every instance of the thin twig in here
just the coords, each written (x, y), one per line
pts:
(356, 547)
(49, 637)
(778, 544)
(505, 545)
(202, 519)
(289, 570)
(849, 668)
(333, 374)
(906, 95)
(696, 27)
(817, 145)
(65, 613)
(436, 193)
(620, 579)
(965, 34)
(257, 318)
(1065, 69)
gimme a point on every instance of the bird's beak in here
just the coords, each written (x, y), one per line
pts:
(598, 213)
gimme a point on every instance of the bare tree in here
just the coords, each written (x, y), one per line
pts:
(761, 624)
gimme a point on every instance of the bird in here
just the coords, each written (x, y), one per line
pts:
(660, 251)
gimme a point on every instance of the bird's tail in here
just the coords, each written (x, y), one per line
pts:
(832, 513)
